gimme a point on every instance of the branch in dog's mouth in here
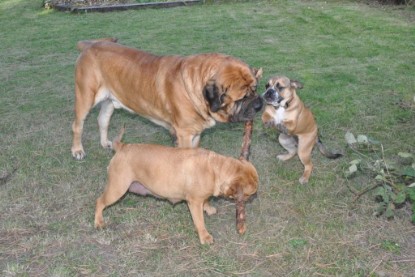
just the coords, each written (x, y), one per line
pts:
(247, 109)
(245, 152)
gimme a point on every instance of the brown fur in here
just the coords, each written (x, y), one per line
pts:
(176, 174)
(298, 129)
(183, 94)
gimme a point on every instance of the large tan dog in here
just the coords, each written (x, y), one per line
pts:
(176, 174)
(183, 94)
(296, 123)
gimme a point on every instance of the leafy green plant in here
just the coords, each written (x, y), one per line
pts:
(394, 179)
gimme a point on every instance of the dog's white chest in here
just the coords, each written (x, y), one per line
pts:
(279, 115)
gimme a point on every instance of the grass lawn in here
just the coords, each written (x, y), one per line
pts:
(357, 64)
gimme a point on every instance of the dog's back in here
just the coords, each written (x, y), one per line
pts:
(81, 45)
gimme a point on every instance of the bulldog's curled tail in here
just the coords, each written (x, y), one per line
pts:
(117, 144)
(327, 153)
(81, 45)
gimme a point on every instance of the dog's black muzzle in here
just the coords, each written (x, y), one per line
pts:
(247, 109)
(271, 96)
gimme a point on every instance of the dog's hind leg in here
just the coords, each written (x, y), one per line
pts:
(305, 147)
(290, 144)
(115, 189)
(210, 210)
(107, 108)
(83, 104)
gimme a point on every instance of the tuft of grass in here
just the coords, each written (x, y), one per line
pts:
(355, 61)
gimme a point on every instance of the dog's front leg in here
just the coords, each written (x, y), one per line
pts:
(187, 140)
(196, 210)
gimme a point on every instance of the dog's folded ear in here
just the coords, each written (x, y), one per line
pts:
(296, 84)
(257, 73)
(212, 95)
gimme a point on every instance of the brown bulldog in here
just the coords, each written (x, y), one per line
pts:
(183, 94)
(177, 174)
(298, 130)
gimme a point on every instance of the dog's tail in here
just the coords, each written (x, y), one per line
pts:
(117, 144)
(327, 153)
(81, 45)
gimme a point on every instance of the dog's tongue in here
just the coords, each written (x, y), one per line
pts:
(240, 217)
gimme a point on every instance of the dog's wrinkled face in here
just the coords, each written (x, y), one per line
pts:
(232, 93)
(280, 88)
(244, 185)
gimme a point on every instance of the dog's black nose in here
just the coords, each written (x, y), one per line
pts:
(269, 95)
(258, 104)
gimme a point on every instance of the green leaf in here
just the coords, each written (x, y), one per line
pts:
(389, 213)
(411, 194)
(353, 168)
(356, 162)
(362, 139)
(350, 139)
(408, 171)
(382, 195)
(400, 198)
(380, 178)
(351, 171)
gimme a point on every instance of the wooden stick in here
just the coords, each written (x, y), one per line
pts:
(246, 142)
(245, 151)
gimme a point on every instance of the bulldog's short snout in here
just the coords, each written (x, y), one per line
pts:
(271, 96)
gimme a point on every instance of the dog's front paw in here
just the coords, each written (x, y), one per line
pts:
(106, 144)
(99, 224)
(269, 124)
(303, 181)
(285, 157)
(206, 239)
(78, 154)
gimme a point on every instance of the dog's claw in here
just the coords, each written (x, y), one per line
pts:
(107, 144)
(78, 155)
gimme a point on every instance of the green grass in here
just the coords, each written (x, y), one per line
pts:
(357, 66)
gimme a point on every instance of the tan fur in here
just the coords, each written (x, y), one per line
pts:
(176, 174)
(299, 132)
(183, 94)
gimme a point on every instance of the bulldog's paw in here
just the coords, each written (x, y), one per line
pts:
(285, 157)
(106, 144)
(268, 124)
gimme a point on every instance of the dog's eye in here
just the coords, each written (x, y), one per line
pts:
(267, 86)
